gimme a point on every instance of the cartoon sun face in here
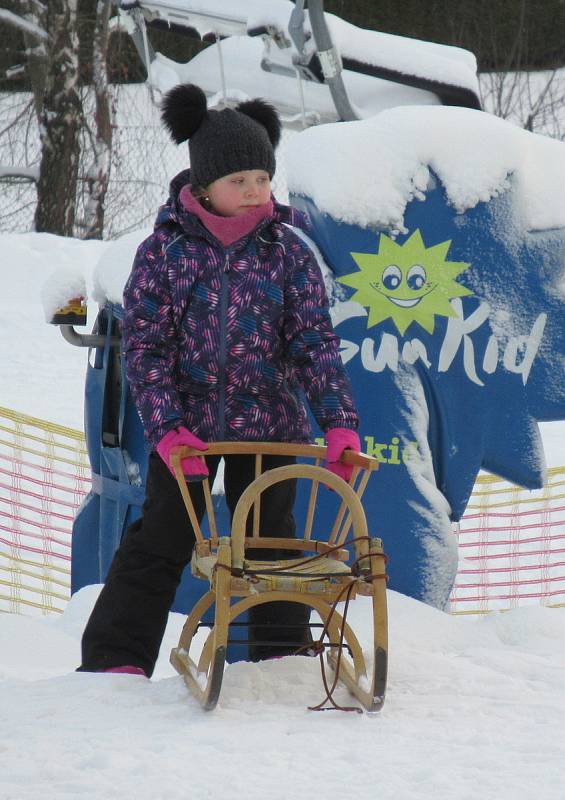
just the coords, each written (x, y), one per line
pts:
(407, 282)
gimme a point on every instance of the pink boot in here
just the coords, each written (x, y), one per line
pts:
(127, 669)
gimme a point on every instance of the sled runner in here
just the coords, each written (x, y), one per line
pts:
(325, 574)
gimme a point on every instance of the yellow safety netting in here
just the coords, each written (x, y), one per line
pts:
(511, 546)
(44, 476)
(511, 541)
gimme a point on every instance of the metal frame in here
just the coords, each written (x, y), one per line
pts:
(318, 59)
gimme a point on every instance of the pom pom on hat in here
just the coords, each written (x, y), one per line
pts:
(265, 115)
(221, 142)
(183, 110)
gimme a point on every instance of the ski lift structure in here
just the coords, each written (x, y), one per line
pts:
(315, 69)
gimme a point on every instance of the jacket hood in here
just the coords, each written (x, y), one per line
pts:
(174, 212)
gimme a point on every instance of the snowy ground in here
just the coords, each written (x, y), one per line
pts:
(475, 708)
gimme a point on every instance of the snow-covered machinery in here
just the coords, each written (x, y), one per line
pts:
(314, 67)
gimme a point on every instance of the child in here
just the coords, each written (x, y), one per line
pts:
(226, 321)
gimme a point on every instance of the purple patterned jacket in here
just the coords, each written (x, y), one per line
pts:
(226, 340)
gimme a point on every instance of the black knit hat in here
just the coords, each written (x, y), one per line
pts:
(221, 142)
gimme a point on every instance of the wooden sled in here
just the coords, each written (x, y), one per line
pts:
(320, 578)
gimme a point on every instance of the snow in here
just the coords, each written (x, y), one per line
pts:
(441, 549)
(215, 13)
(450, 65)
(114, 266)
(390, 158)
(249, 67)
(40, 374)
(29, 173)
(475, 706)
(64, 285)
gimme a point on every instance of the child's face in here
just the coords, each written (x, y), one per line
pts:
(236, 193)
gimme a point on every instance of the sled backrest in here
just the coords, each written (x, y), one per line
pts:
(312, 456)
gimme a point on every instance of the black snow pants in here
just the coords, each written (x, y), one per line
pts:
(129, 619)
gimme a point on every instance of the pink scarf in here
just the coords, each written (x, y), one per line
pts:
(226, 229)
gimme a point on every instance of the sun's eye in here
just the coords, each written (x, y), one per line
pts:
(416, 277)
(392, 277)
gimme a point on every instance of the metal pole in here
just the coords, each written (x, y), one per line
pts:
(86, 339)
(330, 60)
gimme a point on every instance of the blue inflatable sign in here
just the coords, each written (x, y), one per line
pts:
(453, 335)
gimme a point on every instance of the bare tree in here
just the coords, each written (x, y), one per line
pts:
(513, 88)
(51, 34)
(533, 100)
(98, 174)
(59, 123)
(52, 47)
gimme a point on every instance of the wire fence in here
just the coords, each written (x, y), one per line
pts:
(144, 159)
(143, 162)
(511, 541)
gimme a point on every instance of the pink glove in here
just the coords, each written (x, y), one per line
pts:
(340, 439)
(194, 468)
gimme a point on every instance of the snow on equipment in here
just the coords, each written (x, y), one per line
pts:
(319, 578)
(314, 67)
(444, 229)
